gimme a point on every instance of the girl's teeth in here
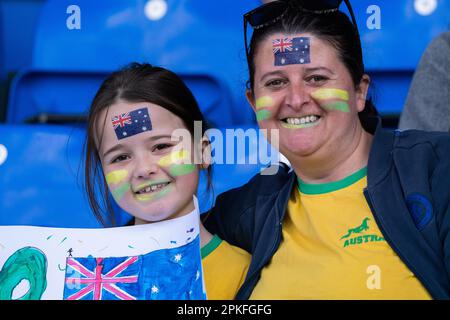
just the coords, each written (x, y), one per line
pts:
(153, 188)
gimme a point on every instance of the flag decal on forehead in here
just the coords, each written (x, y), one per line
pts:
(291, 51)
(131, 123)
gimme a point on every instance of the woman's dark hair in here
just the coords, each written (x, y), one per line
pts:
(334, 28)
(134, 83)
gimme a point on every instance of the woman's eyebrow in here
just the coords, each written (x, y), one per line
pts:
(271, 73)
(318, 69)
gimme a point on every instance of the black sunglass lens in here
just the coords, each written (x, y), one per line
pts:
(266, 13)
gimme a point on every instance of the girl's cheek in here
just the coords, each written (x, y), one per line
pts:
(117, 183)
(178, 163)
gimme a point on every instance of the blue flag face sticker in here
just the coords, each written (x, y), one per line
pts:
(291, 51)
(131, 123)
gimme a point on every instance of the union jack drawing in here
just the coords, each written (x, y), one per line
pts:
(282, 45)
(102, 278)
(121, 120)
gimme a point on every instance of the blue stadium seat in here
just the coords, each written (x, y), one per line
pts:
(39, 182)
(36, 95)
(392, 52)
(62, 96)
(195, 38)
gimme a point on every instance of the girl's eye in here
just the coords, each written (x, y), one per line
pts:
(161, 146)
(275, 83)
(120, 158)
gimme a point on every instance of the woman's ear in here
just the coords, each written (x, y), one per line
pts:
(251, 99)
(361, 92)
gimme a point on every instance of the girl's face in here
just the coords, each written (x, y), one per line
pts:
(303, 90)
(150, 176)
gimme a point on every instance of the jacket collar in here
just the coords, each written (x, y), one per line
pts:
(380, 156)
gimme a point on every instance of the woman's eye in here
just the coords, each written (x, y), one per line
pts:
(317, 79)
(120, 158)
(276, 83)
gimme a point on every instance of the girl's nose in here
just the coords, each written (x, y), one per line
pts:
(145, 167)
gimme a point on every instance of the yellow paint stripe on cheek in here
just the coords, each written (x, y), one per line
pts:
(116, 177)
(324, 94)
(264, 102)
(173, 158)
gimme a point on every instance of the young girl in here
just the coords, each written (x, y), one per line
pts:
(135, 162)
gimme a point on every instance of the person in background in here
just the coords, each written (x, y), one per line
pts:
(427, 106)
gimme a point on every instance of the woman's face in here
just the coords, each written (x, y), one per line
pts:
(150, 175)
(303, 90)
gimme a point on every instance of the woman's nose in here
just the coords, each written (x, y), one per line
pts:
(297, 96)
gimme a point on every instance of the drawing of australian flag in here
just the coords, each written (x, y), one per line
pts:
(291, 51)
(131, 123)
(167, 274)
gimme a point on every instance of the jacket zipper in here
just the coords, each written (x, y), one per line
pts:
(393, 246)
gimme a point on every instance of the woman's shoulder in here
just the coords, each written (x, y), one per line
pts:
(412, 139)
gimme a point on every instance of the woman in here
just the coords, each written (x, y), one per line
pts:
(364, 213)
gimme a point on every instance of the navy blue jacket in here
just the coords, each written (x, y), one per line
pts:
(408, 192)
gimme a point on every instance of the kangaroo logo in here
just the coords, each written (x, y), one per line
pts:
(358, 229)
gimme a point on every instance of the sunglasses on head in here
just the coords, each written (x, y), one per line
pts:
(271, 12)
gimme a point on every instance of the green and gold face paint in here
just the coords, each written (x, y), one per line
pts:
(115, 180)
(154, 196)
(174, 162)
(262, 103)
(332, 99)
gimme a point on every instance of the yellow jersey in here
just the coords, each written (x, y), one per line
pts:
(332, 248)
(224, 269)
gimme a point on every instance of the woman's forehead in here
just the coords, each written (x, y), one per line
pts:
(302, 49)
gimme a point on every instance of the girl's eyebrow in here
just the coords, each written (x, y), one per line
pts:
(113, 149)
(120, 146)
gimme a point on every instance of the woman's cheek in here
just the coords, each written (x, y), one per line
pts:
(263, 105)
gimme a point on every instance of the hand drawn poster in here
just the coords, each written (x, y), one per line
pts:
(146, 262)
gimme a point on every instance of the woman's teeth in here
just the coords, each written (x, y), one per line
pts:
(302, 120)
(153, 188)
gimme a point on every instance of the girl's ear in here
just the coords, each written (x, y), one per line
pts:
(361, 92)
(251, 99)
(206, 153)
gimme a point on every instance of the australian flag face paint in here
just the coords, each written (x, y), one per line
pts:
(131, 123)
(291, 51)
